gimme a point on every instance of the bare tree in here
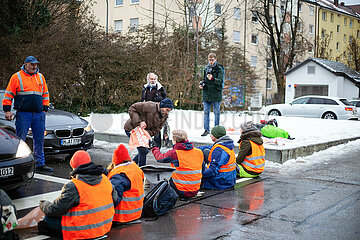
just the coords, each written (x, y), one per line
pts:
(353, 53)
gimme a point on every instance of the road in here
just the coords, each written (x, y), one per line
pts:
(320, 201)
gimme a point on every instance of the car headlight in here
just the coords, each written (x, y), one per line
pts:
(30, 132)
(88, 128)
(23, 150)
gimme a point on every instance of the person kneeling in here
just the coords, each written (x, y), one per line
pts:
(128, 180)
(251, 157)
(221, 171)
(188, 162)
(85, 207)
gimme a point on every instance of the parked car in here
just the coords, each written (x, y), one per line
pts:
(65, 132)
(17, 164)
(356, 103)
(315, 107)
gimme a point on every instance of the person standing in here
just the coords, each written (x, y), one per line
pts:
(155, 92)
(212, 87)
(150, 116)
(31, 101)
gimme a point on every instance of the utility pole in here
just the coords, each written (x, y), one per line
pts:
(153, 22)
(267, 79)
(107, 17)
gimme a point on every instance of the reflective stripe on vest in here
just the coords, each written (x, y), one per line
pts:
(21, 82)
(130, 207)
(187, 177)
(256, 161)
(22, 91)
(231, 164)
(93, 216)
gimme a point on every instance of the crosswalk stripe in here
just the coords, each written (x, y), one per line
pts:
(33, 201)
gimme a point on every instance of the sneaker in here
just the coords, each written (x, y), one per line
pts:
(205, 133)
(44, 168)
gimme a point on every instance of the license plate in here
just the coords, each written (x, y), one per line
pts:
(6, 172)
(70, 141)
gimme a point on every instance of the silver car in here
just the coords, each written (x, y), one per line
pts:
(315, 107)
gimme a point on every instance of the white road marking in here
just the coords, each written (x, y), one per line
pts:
(40, 237)
(33, 201)
(243, 180)
(51, 178)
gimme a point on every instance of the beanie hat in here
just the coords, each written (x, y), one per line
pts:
(166, 103)
(79, 158)
(120, 155)
(218, 131)
(248, 126)
(179, 135)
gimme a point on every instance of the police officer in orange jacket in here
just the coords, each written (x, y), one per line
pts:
(85, 207)
(29, 91)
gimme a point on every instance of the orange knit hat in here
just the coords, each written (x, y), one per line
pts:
(120, 155)
(79, 158)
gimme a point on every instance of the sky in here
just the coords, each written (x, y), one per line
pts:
(350, 2)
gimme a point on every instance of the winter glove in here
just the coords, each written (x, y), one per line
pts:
(152, 144)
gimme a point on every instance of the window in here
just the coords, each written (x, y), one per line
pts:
(351, 23)
(268, 83)
(330, 102)
(268, 42)
(316, 101)
(358, 33)
(118, 2)
(254, 17)
(271, 20)
(344, 38)
(310, 48)
(237, 13)
(350, 39)
(218, 32)
(311, 10)
(311, 29)
(253, 61)
(322, 33)
(218, 9)
(254, 39)
(300, 101)
(300, 7)
(332, 17)
(324, 16)
(337, 46)
(331, 35)
(338, 28)
(268, 63)
(350, 56)
(311, 70)
(134, 1)
(134, 24)
(345, 21)
(330, 53)
(300, 27)
(118, 25)
(236, 36)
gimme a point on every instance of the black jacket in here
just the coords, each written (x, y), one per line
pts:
(154, 94)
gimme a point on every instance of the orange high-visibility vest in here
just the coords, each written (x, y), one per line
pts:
(25, 84)
(130, 207)
(187, 177)
(93, 216)
(231, 164)
(256, 161)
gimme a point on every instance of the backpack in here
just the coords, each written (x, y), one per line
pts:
(159, 200)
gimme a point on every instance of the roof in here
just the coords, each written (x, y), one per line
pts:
(356, 8)
(336, 68)
(329, 4)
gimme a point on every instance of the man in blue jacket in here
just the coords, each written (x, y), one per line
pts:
(221, 171)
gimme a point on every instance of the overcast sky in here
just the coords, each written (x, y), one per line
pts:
(350, 2)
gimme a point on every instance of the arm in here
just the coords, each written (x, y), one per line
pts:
(204, 147)
(10, 93)
(69, 197)
(218, 80)
(218, 158)
(121, 183)
(45, 95)
(245, 149)
(134, 114)
(168, 157)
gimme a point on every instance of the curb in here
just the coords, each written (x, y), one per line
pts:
(274, 155)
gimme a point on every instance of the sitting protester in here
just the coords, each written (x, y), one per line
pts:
(251, 157)
(188, 162)
(128, 180)
(85, 207)
(221, 171)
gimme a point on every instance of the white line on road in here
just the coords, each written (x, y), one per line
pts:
(40, 237)
(33, 201)
(51, 178)
(243, 180)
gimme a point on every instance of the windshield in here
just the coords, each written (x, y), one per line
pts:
(345, 102)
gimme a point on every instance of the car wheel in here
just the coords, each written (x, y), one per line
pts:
(329, 115)
(274, 112)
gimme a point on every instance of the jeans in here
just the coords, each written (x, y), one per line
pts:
(25, 120)
(157, 139)
(140, 158)
(207, 107)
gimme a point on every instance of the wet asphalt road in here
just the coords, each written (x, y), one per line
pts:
(317, 202)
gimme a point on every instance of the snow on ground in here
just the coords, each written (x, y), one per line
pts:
(306, 131)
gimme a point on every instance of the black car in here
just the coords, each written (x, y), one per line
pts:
(17, 164)
(65, 132)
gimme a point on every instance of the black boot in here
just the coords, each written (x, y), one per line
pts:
(205, 133)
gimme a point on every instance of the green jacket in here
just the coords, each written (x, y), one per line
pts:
(212, 90)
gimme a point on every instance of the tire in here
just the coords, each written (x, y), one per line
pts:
(329, 115)
(274, 112)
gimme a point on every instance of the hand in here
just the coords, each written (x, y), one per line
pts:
(201, 86)
(9, 116)
(152, 144)
(210, 77)
(142, 125)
